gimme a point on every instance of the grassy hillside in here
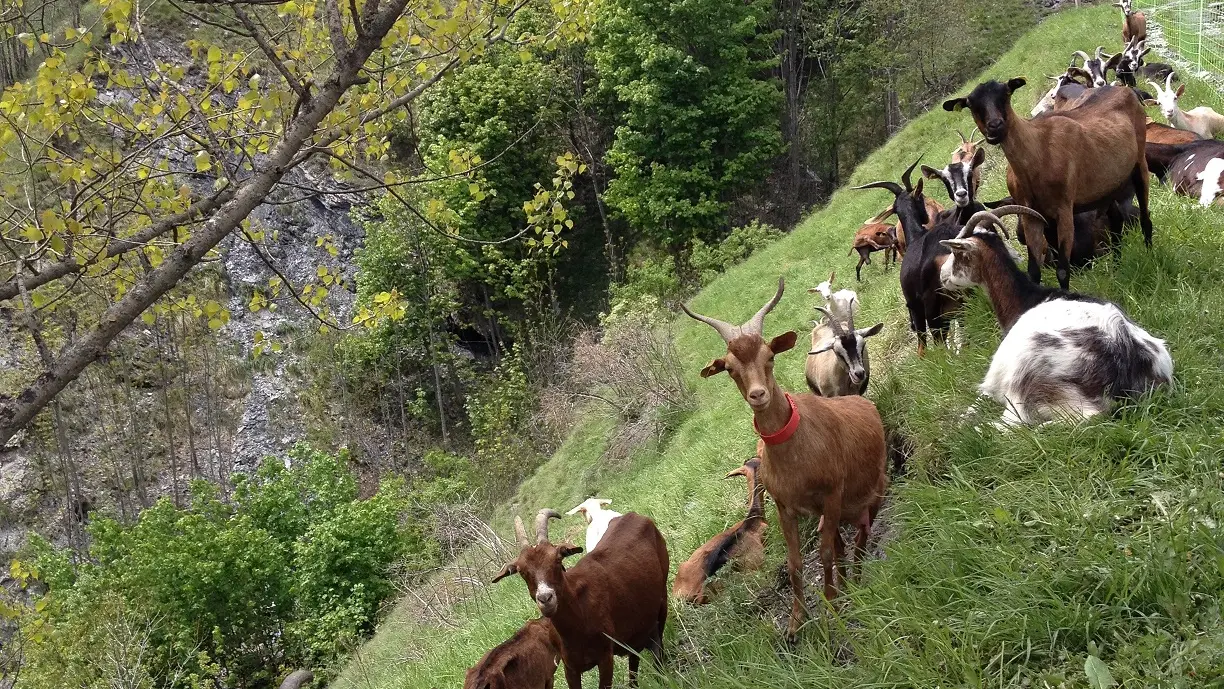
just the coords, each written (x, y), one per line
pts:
(1006, 559)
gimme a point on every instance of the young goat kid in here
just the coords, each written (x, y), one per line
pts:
(1201, 120)
(1087, 157)
(818, 456)
(614, 601)
(527, 660)
(1064, 354)
(597, 519)
(743, 543)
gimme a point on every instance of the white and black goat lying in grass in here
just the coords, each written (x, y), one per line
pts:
(1063, 355)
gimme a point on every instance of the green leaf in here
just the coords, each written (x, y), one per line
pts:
(1098, 673)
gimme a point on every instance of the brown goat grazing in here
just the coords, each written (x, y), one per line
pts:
(743, 544)
(1090, 156)
(872, 237)
(614, 601)
(1134, 24)
(819, 456)
(527, 660)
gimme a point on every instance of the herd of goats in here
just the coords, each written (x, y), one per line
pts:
(1075, 172)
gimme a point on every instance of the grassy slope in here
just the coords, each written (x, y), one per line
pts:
(1007, 557)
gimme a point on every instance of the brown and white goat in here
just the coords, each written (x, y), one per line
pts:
(527, 660)
(743, 544)
(1194, 169)
(1090, 156)
(819, 456)
(612, 602)
(1134, 24)
(1201, 120)
(872, 237)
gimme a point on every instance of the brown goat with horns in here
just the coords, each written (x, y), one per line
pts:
(819, 456)
(614, 601)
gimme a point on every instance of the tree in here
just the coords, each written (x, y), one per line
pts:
(697, 112)
(126, 170)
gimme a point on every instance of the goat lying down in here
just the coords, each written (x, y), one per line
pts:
(1064, 355)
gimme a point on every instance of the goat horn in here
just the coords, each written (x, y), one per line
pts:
(541, 524)
(891, 186)
(1081, 54)
(1098, 51)
(962, 136)
(905, 177)
(1169, 81)
(756, 324)
(995, 218)
(520, 533)
(727, 331)
(833, 322)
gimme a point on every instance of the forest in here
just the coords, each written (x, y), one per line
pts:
(295, 295)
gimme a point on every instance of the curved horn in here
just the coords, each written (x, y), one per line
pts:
(891, 186)
(1169, 81)
(541, 524)
(833, 322)
(756, 324)
(905, 177)
(1098, 51)
(1082, 55)
(995, 218)
(727, 331)
(520, 533)
(962, 136)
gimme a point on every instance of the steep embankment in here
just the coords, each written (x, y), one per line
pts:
(1006, 558)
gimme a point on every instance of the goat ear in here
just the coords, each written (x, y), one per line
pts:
(931, 173)
(783, 342)
(979, 157)
(822, 347)
(1150, 102)
(1180, 90)
(1015, 83)
(956, 245)
(1113, 62)
(918, 188)
(873, 330)
(955, 104)
(506, 571)
(716, 366)
(567, 549)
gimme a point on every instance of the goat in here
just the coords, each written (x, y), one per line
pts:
(963, 174)
(1087, 157)
(1201, 120)
(1063, 354)
(527, 660)
(1095, 69)
(597, 519)
(929, 307)
(614, 601)
(837, 363)
(1134, 24)
(843, 302)
(819, 456)
(743, 542)
(1195, 169)
(870, 238)
(1158, 133)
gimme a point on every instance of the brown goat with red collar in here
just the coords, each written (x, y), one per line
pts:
(743, 543)
(819, 456)
(613, 602)
(1084, 158)
(527, 660)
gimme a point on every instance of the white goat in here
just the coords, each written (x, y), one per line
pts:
(1063, 355)
(843, 303)
(1201, 120)
(597, 518)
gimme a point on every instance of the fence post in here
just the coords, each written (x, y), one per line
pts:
(1202, 14)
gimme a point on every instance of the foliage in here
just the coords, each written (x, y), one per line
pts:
(696, 120)
(288, 573)
(708, 262)
(499, 413)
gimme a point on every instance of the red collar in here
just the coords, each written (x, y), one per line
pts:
(787, 431)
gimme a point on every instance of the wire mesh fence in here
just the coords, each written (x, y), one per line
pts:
(1189, 31)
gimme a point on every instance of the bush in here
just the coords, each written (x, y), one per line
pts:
(223, 593)
(708, 261)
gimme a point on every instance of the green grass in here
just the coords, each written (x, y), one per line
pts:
(1006, 559)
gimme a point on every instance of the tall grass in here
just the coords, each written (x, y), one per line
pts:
(1006, 559)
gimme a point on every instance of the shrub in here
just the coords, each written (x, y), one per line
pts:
(708, 261)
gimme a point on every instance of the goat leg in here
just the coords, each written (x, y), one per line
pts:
(605, 672)
(789, 521)
(634, 659)
(1033, 232)
(573, 676)
(830, 536)
(1140, 179)
(1066, 245)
